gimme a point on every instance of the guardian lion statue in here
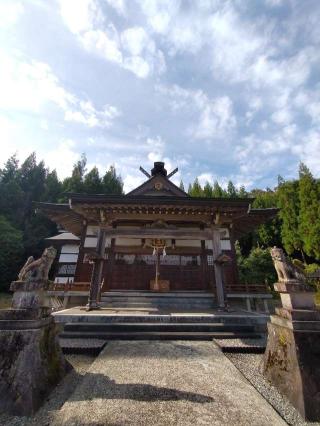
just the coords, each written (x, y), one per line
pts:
(38, 270)
(285, 269)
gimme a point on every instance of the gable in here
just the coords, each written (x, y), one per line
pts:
(158, 186)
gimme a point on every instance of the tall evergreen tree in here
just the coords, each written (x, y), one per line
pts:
(111, 182)
(11, 252)
(288, 201)
(231, 190)
(217, 191)
(181, 186)
(242, 193)
(75, 182)
(196, 190)
(207, 190)
(92, 183)
(309, 212)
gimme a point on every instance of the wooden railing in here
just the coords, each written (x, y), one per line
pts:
(76, 286)
(247, 288)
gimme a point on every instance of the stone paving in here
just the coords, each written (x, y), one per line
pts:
(165, 383)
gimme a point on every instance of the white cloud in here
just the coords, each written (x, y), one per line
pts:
(31, 86)
(79, 15)
(105, 43)
(133, 49)
(156, 148)
(119, 6)
(62, 157)
(282, 116)
(10, 12)
(214, 116)
(308, 150)
(92, 117)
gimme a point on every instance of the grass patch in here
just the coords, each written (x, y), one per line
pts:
(5, 300)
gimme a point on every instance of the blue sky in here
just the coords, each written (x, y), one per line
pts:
(221, 89)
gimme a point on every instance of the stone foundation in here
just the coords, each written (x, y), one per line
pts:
(31, 361)
(292, 364)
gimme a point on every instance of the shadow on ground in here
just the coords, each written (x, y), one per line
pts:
(105, 388)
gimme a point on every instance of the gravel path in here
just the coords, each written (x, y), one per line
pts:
(165, 383)
(250, 366)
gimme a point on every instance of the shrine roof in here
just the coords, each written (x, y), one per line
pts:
(77, 198)
(94, 208)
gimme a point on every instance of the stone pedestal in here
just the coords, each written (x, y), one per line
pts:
(30, 294)
(292, 357)
(31, 361)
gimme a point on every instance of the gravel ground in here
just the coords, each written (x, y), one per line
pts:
(58, 396)
(181, 383)
(250, 366)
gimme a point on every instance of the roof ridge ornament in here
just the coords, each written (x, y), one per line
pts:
(158, 169)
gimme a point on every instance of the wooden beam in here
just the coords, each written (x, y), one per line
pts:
(182, 234)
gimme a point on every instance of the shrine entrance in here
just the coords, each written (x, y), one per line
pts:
(137, 271)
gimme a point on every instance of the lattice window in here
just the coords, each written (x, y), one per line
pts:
(210, 260)
(190, 260)
(67, 269)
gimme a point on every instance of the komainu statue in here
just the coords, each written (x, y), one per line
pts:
(38, 270)
(285, 269)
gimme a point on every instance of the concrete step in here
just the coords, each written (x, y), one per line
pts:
(156, 326)
(81, 345)
(253, 345)
(151, 294)
(160, 335)
(102, 317)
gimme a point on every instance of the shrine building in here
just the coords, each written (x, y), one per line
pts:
(156, 238)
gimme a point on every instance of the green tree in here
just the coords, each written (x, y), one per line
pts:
(288, 201)
(257, 268)
(75, 182)
(309, 211)
(181, 186)
(11, 252)
(92, 183)
(242, 193)
(53, 188)
(231, 190)
(269, 233)
(111, 182)
(196, 190)
(207, 190)
(217, 191)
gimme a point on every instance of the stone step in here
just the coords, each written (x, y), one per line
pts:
(256, 345)
(160, 335)
(151, 294)
(81, 345)
(186, 307)
(154, 326)
(107, 318)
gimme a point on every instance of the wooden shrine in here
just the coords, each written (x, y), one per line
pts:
(156, 238)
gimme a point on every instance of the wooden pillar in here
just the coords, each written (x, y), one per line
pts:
(203, 262)
(216, 251)
(77, 274)
(96, 276)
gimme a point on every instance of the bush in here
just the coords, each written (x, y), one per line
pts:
(257, 268)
